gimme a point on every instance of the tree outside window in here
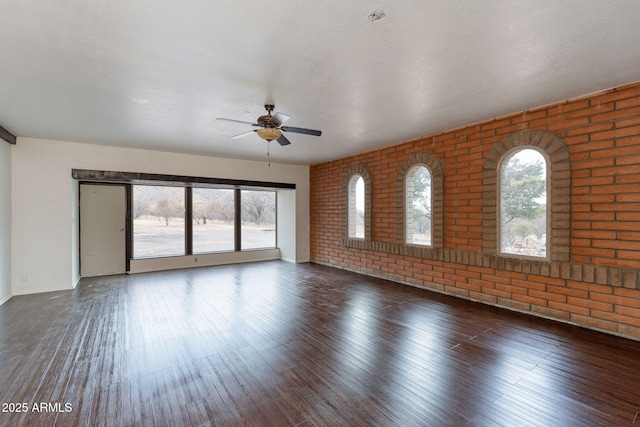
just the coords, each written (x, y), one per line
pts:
(158, 221)
(213, 220)
(418, 206)
(523, 204)
(258, 216)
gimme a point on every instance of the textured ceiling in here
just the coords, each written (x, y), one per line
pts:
(156, 74)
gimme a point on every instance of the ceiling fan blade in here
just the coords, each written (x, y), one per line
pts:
(238, 121)
(279, 119)
(243, 134)
(282, 140)
(301, 130)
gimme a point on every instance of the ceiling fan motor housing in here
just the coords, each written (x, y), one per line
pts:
(265, 121)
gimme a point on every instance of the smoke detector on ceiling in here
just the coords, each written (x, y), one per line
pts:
(377, 15)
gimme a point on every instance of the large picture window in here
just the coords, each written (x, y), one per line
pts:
(258, 219)
(158, 221)
(213, 220)
(523, 203)
(178, 220)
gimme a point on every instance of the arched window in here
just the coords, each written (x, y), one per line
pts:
(558, 188)
(523, 201)
(356, 207)
(420, 191)
(418, 206)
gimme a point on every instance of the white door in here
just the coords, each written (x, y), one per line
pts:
(103, 210)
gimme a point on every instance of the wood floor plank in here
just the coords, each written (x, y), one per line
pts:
(281, 344)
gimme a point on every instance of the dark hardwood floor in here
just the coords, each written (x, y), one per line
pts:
(279, 344)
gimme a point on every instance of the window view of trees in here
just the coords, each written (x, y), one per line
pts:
(258, 219)
(418, 205)
(213, 220)
(158, 221)
(523, 204)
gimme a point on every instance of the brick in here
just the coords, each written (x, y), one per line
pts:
(615, 133)
(566, 290)
(527, 116)
(629, 331)
(617, 94)
(529, 299)
(616, 317)
(551, 312)
(587, 130)
(546, 280)
(628, 311)
(592, 164)
(568, 106)
(601, 324)
(595, 194)
(573, 309)
(630, 278)
(547, 296)
(632, 121)
(516, 305)
(598, 305)
(614, 244)
(631, 102)
(629, 255)
(594, 112)
(616, 300)
(632, 140)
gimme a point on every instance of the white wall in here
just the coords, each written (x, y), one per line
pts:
(286, 215)
(44, 214)
(5, 221)
(198, 260)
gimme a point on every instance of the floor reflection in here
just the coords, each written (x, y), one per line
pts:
(277, 343)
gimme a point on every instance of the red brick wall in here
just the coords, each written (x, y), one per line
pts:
(599, 285)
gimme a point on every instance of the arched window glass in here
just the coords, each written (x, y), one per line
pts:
(523, 203)
(418, 206)
(356, 207)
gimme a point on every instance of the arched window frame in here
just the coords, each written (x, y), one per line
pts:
(506, 157)
(559, 191)
(350, 177)
(436, 168)
(408, 205)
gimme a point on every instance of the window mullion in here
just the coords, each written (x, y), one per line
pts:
(237, 221)
(188, 221)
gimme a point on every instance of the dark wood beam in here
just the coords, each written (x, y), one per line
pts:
(179, 180)
(7, 136)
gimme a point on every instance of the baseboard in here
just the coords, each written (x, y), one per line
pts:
(5, 299)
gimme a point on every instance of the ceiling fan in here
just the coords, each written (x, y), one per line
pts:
(271, 127)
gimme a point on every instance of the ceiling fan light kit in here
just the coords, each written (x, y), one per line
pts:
(269, 134)
(271, 127)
